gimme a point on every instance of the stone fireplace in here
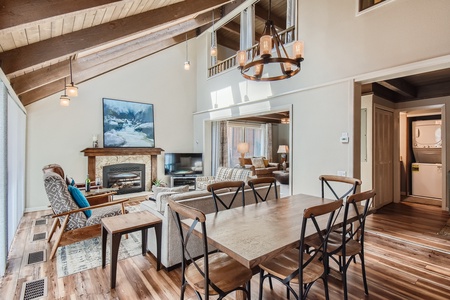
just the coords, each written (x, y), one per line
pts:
(101, 157)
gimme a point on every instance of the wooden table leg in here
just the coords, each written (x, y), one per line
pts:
(104, 237)
(144, 241)
(115, 243)
(158, 229)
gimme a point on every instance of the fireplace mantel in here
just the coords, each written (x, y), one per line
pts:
(92, 153)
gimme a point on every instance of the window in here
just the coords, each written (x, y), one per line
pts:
(253, 134)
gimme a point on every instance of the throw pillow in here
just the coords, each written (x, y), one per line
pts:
(70, 181)
(80, 200)
(258, 162)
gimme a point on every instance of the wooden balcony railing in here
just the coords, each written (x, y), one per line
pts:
(286, 36)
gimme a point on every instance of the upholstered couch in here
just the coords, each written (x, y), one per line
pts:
(259, 166)
(201, 199)
(224, 174)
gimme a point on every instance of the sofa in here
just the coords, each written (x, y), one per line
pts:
(259, 166)
(224, 174)
(200, 199)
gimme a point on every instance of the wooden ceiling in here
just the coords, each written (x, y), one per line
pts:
(414, 87)
(274, 118)
(39, 38)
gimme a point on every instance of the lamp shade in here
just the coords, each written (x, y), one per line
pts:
(242, 148)
(283, 149)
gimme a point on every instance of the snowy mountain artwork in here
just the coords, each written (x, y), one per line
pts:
(128, 124)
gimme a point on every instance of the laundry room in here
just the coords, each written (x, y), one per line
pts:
(421, 157)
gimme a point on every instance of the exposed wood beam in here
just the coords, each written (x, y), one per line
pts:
(41, 77)
(14, 13)
(441, 89)
(385, 93)
(223, 40)
(42, 92)
(88, 67)
(400, 86)
(68, 44)
(232, 27)
(262, 14)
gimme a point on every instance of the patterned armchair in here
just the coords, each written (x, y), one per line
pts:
(73, 223)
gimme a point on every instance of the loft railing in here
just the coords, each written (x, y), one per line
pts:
(286, 36)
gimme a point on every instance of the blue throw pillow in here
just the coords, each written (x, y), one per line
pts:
(80, 199)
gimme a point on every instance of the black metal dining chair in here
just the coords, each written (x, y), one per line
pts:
(255, 182)
(298, 267)
(343, 248)
(214, 273)
(216, 188)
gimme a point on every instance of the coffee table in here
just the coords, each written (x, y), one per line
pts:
(281, 176)
(123, 224)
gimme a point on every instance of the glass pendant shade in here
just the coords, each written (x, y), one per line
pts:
(265, 44)
(213, 50)
(187, 65)
(64, 100)
(72, 90)
(298, 49)
(241, 56)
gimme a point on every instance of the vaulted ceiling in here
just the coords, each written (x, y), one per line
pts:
(38, 39)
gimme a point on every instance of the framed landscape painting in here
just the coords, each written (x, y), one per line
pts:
(128, 124)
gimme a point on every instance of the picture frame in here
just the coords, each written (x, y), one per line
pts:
(128, 124)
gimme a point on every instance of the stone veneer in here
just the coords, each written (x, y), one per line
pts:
(102, 161)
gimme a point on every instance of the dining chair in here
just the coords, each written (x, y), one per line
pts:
(213, 274)
(298, 267)
(339, 183)
(236, 186)
(343, 248)
(253, 183)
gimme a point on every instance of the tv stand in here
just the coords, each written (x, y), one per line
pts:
(184, 180)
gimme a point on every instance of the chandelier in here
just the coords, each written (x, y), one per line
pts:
(262, 56)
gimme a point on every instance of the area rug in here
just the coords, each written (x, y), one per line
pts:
(85, 255)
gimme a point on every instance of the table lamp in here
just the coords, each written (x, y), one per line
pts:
(242, 148)
(283, 149)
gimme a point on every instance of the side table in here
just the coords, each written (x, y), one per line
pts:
(123, 224)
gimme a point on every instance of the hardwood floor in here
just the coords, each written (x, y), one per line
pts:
(405, 259)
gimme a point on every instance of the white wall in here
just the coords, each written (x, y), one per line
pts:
(57, 134)
(339, 47)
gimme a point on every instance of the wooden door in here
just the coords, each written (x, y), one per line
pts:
(383, 155)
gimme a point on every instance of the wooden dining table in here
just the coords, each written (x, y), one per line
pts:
(257, 232)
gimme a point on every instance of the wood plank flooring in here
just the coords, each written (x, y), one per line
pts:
(405, 259)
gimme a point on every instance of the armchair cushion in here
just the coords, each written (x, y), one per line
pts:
(80, 199)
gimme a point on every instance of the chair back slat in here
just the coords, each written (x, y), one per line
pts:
(332, 182)
(253, 183)
(353, 203)
(215, 187)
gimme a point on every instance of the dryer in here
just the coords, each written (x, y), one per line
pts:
(427, 141)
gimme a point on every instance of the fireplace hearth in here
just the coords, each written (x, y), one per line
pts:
(128, 178)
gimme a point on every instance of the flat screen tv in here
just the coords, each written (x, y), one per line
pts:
(183, 164)
(128, 124)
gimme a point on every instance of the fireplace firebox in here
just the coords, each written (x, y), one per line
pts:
(128, 178)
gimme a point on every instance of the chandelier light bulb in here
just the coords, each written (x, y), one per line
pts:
(265, 44)
(298, 48)
(241, 56)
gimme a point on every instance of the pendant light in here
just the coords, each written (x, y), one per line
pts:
(72, 89)
(64, 100)
(187, 64)
(213, 39)
(284, 66)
